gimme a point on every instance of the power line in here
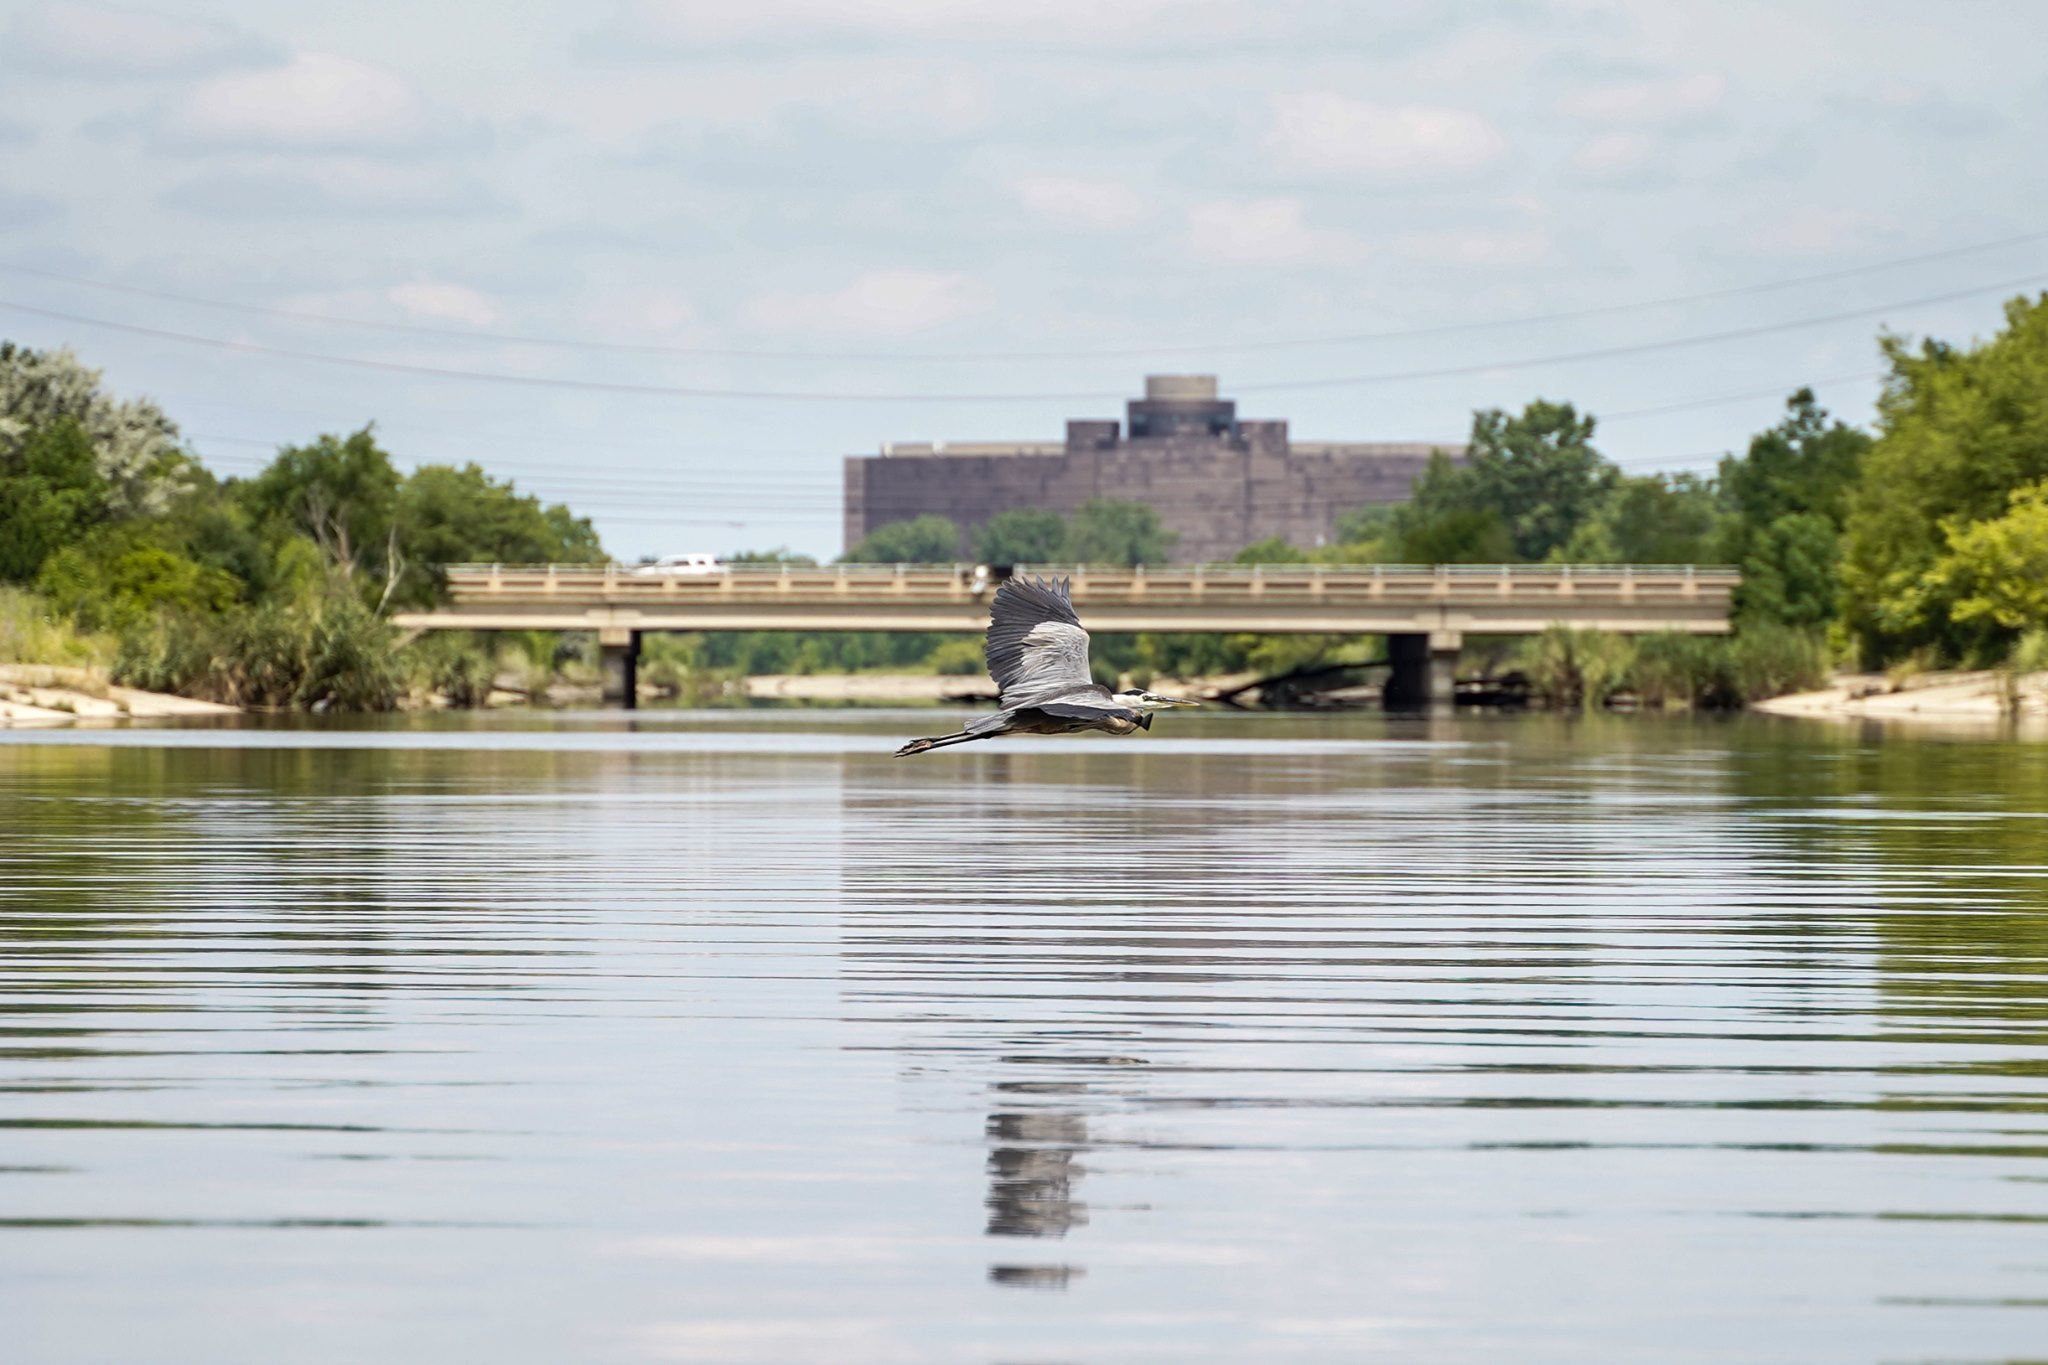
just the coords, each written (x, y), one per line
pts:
(803, 396)
(1132, 352)
(1775, 391)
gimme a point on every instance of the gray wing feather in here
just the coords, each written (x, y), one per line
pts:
(1036, 647)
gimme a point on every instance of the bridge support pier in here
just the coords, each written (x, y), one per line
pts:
(1425, 671)
(618, 659)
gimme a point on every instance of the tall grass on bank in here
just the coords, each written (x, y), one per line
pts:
(1576, 668)
(329, 651)
(1589, 668)
(32, 632)
(2028, 659)
(459, 666)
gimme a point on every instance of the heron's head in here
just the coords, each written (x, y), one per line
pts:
(1138, 699)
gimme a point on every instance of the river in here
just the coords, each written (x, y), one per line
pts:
(729, 1037)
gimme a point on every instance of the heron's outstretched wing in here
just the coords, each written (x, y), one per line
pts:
(1036, 647)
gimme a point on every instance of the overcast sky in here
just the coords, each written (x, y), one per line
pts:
(810, 201)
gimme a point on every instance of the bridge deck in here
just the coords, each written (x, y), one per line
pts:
(1444, 600)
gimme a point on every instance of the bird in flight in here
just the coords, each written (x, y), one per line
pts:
(1038, 655)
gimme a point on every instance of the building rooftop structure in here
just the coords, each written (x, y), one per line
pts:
(1218, 481)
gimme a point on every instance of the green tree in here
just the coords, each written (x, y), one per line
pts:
(1959, 430)
(340, 492)
(105, 584)
(1271, 550)
(1787, 499)
(1538, 472)
(928, 540)
(1455, 535)
(1655, 519)
(781, 554)
(444, 515)
(1994, 574)
(134, 446)
(1022, 535)
(51, 494)
(1115, 531)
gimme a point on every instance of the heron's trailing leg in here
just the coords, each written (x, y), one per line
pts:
(918, 746)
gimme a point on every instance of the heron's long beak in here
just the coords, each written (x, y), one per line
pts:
(1173, 701)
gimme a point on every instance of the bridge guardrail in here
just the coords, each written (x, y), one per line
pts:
(1335, 584)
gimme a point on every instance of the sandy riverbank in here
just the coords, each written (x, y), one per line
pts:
(1984, 697)
(47, 694)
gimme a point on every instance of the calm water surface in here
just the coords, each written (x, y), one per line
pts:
(730, 1038)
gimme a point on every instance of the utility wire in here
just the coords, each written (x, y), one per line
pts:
(803, 396)
(1131, 352)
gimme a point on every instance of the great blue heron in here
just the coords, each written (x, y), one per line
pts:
(1038, 655)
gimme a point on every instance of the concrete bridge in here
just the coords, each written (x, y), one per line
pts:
(1425, 612)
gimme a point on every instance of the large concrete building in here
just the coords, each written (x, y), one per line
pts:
(1219, 482)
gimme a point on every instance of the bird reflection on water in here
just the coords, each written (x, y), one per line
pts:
(1033, 1168)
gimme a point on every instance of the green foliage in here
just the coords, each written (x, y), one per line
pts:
(340, 492)
(1538, 472)
(1455, 535)
(1994, 574)
(459, 665)
(2030, 653)
(134, 446)
(1272, 550)
(51, 493)
(1023, 535)
(1786, 501)
(781, 554)
(1586, 668)
(956, 658)
(1676, 669)
(1576, 668)
(1770, 660)
(1112, 531)
(1657, 519)
(927, 540)
(327, 650)
(33, 632)
(1958, 432)
(444, 515)
(114, 581)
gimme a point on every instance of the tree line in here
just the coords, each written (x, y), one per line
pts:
(1923, 540)
(270, 590)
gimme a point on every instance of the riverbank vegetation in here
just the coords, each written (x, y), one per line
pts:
(1921, 544)
(118, 547)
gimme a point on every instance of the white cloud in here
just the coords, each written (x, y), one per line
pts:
(444, 302)
(642, 310)
(345, 188)
(1262, 231)
(1080, 202)
(1515, 246)
(1811, 231)
(1609, 156)
(18, 211)
(1647, 101)
(884, 302)
(317, 102)
(100, 40)
(693, 24)
(1332, 134)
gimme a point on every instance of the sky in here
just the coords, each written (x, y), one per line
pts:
(671, 261)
